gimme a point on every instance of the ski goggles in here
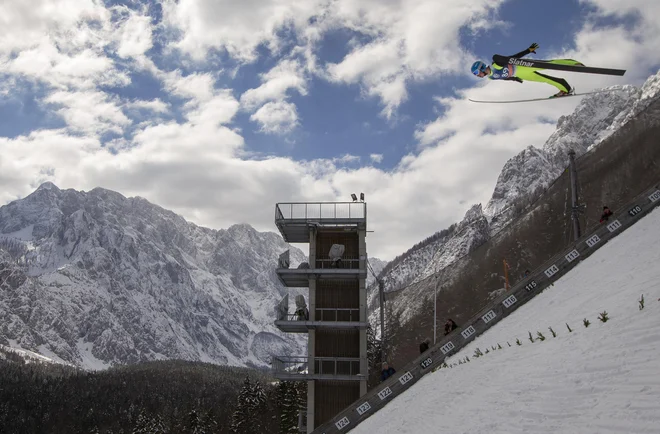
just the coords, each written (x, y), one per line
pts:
(479, 67)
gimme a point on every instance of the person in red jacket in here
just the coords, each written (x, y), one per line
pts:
(606, 214)
(450, 325)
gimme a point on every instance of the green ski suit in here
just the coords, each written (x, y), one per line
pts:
(519, 73)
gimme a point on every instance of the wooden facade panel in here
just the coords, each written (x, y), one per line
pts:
(338, 294)
(337, 343)
(332, 397)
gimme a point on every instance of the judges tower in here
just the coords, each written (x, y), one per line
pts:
(335, 367)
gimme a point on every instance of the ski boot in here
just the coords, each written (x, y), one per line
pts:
(561, 93)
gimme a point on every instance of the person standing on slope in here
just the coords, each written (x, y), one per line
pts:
(519, 73)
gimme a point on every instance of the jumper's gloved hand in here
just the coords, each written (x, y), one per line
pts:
(519, 80)
(532, 48)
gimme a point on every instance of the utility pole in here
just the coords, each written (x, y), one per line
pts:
(381, 290)
(574, 194)
(435, 307)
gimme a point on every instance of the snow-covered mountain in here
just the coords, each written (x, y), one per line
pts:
(24, 356)
(377, 266)
(95, 278)
(525, 175)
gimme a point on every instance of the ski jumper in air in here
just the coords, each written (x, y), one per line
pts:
(519, 73)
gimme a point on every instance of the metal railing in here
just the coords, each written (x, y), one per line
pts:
(336, 314)
(322, 365)
(337, 365)
(321, 210)
(290, 365)
(341, 264)
(328, 314)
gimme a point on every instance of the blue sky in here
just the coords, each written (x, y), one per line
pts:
(218, 109)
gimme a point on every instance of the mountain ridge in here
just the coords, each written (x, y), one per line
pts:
(95, 279)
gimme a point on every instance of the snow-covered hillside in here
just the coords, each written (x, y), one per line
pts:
(27, 356)
(599, 379)
(95, 278)
(596, 118)
(377, 266)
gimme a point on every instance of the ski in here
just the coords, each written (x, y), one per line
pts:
(545, 64)
(538, 99)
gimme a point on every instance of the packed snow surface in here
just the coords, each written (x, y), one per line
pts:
(601, 379)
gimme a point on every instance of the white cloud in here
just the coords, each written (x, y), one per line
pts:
(24, 23)
(377, 66)
(416, 41)
(135, 37)
(206, 105)
(45, 155)
(412, 40)
(237, 26)
(185, 144)
(89, 112)
(198, 86)
(61, 45)
(218, 110)
(276, 117)
(85, 69)
(275, 114)
(378, 59)
(346, 159)
(288, 74)
(155, 105)
(376, 158)
(649, 9)
(630, 48)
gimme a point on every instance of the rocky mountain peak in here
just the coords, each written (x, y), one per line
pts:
(473, 214)
(99, 279)
(48, 186)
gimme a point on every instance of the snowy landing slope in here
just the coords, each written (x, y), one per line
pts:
(600, 379)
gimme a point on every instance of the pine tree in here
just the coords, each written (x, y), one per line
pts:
(392, 330)
(142, 424)
(288, 407)
(156, 425)
(373, 356)
(209, 423)
(195, 424)
(251, 403)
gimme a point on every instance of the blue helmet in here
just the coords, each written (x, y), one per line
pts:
(478, 67)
